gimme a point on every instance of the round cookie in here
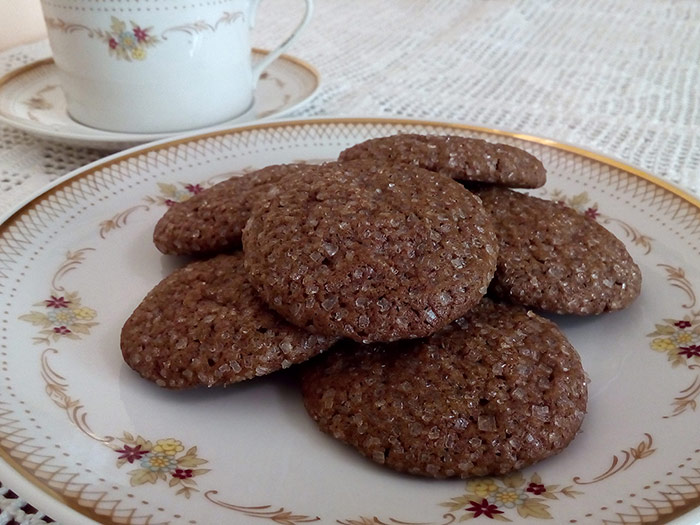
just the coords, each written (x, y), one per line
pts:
(460, 158)
(204, 325)
(493, 392)
(212, 221)
(370, 252)
(555, 259)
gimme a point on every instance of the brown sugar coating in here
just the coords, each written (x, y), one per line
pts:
(212, 221)
(204, 325)
(553, 258)
(460, 158)
(493, 392)
(370, 252)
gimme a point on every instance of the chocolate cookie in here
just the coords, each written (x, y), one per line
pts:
(491, 393)
(370, 252)
(553, 258)
(204, 325)
(212, 221)
(460, 158)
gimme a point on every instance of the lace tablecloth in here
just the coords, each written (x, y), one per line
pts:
(620, 78)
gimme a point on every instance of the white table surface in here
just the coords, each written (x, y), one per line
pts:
(616, 77)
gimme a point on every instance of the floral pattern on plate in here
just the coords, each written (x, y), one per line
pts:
(679, 339)
(494, 498)
(164, 460)
(62, 316)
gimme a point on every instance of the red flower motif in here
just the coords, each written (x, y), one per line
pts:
(57, 302)
(140, 34)
(194, 188)
(485, 508)
(113, 43)
(132, 454)
(591, 213)
(536, 488)
(170, 202)
(690, 351)
(183, 473)
(61, 330)
(682, 324)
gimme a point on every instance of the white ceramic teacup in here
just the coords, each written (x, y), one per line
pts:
(149, 66)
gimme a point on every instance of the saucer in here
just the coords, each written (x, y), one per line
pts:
(31, 99)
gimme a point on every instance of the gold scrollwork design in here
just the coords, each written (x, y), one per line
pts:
(280, 515)
(39, 102)
(677, 278)
(118, 220)
(57, 390)
(73, 260)
(687, 398)
(68, 27)
(629, 457)
(200, 26)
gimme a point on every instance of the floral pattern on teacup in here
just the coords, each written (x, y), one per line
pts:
(129, 43)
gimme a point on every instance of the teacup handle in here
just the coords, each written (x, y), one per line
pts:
(272, 55)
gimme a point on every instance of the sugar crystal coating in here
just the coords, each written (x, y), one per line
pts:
(495, 391)
(371, 252)
(204, 325)
(553, 258)
(461, 158)
(211, 221)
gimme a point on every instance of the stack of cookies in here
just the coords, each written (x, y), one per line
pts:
(414, 269)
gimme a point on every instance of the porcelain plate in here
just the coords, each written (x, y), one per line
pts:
(84, 438)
